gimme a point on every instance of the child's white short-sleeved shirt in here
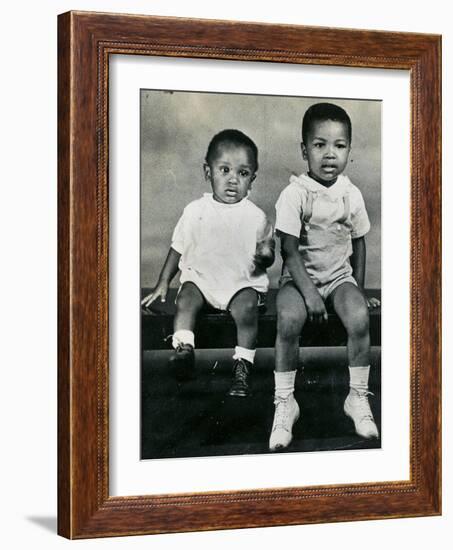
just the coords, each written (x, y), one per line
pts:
(217, 243)
(330, 226)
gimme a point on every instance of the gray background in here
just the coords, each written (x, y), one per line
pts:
(176, 128)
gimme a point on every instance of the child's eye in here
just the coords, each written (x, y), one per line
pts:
(341, 146)
(224, 169)
(318, 145)
(244, 173)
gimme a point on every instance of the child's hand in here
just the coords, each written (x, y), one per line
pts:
(316, 309)
(373, 303)
(161, 291)
(264, 254)
(265, 249)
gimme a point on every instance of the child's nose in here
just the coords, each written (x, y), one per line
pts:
(330, 152)
(233, 177)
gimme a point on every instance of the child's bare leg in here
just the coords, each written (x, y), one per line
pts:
(244, 310)
(350, 305)
(291, 317)
(188, 304)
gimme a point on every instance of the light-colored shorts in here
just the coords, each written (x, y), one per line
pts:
(324, 289)
(222, 300)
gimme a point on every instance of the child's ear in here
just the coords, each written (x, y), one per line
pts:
(207, 172)
(304, 150)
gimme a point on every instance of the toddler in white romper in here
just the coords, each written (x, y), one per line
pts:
(222, 245)
(217, 243)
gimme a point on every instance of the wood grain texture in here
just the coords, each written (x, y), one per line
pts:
(85, 42)
(64, 389)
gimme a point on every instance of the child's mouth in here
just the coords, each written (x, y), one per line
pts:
(328, 168)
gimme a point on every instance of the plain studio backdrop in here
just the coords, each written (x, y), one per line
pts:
(175, 132)
(29, 267)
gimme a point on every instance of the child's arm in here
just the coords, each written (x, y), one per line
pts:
(315, 305)
(169, 270)
(358, 262)
(265, 248)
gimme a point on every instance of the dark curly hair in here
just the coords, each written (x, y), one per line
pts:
(235, 137)
(321, 112)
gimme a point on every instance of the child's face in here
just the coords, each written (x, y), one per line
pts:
(230, 172)
(327, 150)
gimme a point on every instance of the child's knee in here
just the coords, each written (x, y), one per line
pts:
(188, 298)
(250, 307)
(245, 308)
(290, 323)
(183, 302)
(359, 322)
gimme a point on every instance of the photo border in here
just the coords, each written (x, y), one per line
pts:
(85, 42)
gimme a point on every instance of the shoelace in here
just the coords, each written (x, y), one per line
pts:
(241, 372)
(364, 406)
(281, 418)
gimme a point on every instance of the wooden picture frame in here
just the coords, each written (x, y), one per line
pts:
(85, 41)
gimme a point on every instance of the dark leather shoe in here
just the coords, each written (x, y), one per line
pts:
(240, 386)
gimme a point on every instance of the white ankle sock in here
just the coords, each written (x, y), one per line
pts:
(358, 378)
(183, 337)
(284, 383)
(244, 353)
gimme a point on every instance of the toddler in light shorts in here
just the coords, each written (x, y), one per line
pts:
(222, 245)
(321, 221)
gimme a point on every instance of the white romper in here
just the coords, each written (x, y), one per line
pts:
(217, 243)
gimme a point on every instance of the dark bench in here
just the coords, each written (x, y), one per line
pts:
(217, 329)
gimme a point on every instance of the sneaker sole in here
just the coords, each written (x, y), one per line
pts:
(238, 394)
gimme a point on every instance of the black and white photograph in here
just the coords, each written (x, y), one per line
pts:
(119, 120)
(260, 274)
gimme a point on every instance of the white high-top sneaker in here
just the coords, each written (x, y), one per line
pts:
(286, 415)
(358, 409)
